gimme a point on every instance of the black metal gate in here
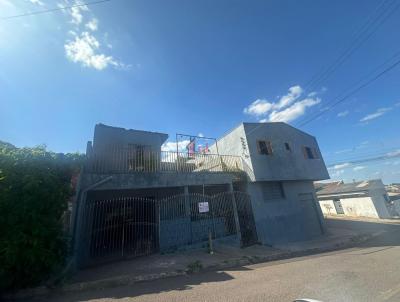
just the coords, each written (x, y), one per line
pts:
(246, 219)
(133, 226)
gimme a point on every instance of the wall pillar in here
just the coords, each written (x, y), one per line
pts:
(236, 215)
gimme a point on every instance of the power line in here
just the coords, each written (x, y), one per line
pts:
(371, 159)
(377, 68)
(362, 155)
(53, 9)
(347, 53)
(363, 34)
(352, 93)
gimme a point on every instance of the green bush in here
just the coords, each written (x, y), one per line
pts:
(34, 190)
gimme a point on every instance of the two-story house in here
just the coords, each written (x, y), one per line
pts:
(255, 185)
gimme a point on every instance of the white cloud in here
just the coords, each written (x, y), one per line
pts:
(84, 47)
(286, 109)
(341, 166)
(358, 168)
(76, 12)
(336, 174)
(343, 113)
(92, 24)
(258, 107)
(343, 151)
(393, 153)
(286, 100)
(376, 114)
(83, 50)
(293, 112)
(171, 146)
(200, 134)
(38, 2)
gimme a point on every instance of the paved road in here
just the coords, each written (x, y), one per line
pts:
(368, 272)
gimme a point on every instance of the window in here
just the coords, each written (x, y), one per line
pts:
(264, 147)
(287, 147)
(310, 153)
(272, 190)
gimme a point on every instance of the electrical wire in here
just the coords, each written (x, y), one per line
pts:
(364, 33)
(344, 98)
(53, 10)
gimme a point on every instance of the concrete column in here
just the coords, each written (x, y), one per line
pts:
(236, 215)
(188, 211)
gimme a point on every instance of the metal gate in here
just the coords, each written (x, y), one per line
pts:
(246, 219)
(133, 226)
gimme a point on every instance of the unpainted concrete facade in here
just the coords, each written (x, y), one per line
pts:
(280, 184)
(294, 215)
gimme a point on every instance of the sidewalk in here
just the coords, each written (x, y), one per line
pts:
(159, 266)
(366, 219)
(224, 256)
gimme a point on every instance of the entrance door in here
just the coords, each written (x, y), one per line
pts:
(338, 206)
(140, 229)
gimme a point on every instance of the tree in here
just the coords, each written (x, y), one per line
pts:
(34, 189)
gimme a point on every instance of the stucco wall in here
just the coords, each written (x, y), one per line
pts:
(355, 207)
(286, 219)
(327, 207)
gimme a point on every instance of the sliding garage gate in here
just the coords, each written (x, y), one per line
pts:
(127, 227)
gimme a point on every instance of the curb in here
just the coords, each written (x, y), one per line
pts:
(230, 263)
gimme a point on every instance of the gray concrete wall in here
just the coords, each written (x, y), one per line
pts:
(283, 164)
(235, 143)
(379, 202)
(155, 180)
(105, 136)
(287, 219)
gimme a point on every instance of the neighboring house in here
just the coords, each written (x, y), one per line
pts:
(393, 190)
(357, 199)
(255, 185)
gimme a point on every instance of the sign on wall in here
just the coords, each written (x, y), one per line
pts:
(203, 207)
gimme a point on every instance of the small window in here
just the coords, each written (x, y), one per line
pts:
(264, 147)
(272, 190)
(310, 153)
(287, 147)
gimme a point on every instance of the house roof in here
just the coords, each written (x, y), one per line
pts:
(340, 187)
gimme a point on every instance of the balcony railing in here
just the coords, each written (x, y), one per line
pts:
(117, 160)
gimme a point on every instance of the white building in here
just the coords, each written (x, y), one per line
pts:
(357, 199)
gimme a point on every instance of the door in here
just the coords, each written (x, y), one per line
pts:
(338, 206)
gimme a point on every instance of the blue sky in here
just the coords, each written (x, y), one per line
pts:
(199, 67)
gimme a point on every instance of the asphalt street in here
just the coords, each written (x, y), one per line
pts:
(369, 271)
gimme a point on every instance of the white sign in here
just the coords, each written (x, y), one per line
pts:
(203, 207)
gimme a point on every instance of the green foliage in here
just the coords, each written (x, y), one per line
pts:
(34, 189)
